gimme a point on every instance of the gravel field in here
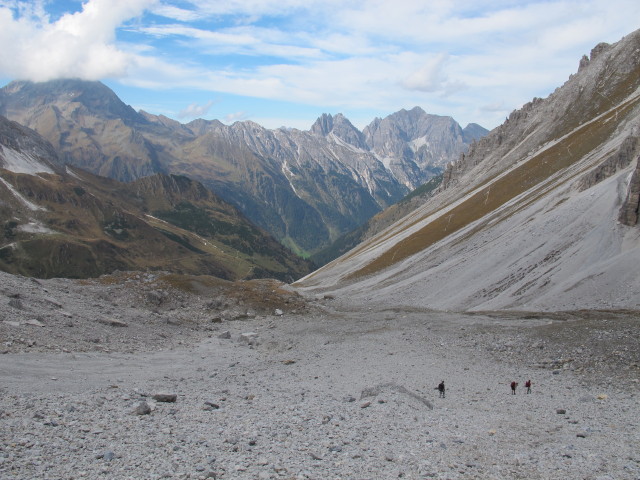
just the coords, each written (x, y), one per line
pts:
(129, 377)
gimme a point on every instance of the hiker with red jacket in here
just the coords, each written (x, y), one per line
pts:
(528, 385)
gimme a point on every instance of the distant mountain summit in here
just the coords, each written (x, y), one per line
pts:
(305, 187)
(416, 146)
(26, 101)
(88, 126)
(341, 129)
(473, 132)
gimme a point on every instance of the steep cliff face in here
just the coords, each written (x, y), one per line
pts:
(540, 214)
(631, 207)
(619, 159)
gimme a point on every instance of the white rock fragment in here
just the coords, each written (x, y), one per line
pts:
(250, 338)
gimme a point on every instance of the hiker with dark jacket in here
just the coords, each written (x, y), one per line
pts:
(513, 387)
(441, 389)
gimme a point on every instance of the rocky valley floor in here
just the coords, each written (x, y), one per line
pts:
(148, 376)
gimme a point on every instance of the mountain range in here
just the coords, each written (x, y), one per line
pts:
(62, 221)
(540, 214)
(304, 187)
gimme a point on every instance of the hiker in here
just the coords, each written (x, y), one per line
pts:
(441, 389)
(528, 385)
(513, 387)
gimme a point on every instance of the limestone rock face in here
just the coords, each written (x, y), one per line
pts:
(414, 145)
(620, 159)
(341, 128)
(605, 79)
(631, 206)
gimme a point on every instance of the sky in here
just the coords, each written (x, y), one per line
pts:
(285, 62)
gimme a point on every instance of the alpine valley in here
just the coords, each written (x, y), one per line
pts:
(306, 188)
(521, 265)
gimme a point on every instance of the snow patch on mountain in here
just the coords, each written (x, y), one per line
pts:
(27, 203)
(386, 161)
(288, 174)
(417, 143)
(35, 227)
(21, 162)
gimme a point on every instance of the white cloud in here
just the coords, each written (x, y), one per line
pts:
(495, 107)
(176, 13)
(430, 77)
(452, 57)
(196, 111)
(249, 41)
(252, 8)
(78, 44)
(236, 117)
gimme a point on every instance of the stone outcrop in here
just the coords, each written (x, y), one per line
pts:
(627, 152)
(631, 206)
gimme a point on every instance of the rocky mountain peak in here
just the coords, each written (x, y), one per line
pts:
(323, 125)
(341, 128)
(200, 126)
(95, 97)
(598, 49)
(472, 132)
(415, 145)
(407, 125)
(590, 92)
